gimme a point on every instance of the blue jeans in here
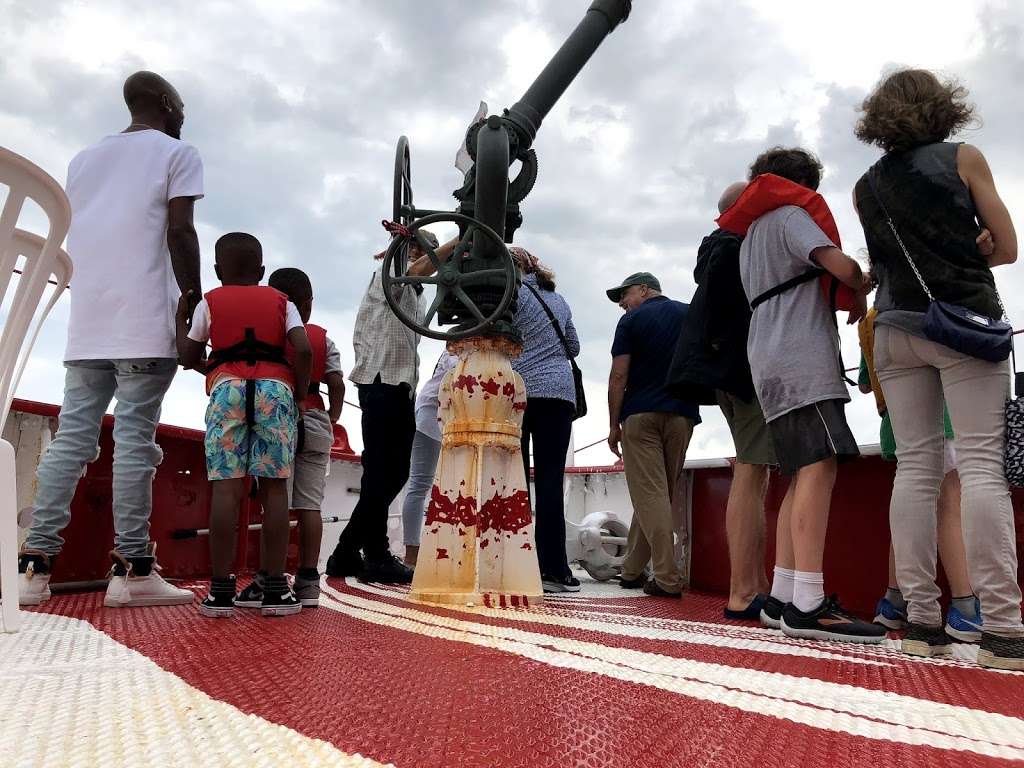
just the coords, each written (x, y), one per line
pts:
(423, 464)
(89, 385)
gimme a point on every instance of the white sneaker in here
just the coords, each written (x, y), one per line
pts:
(33, 587)
(127, 590)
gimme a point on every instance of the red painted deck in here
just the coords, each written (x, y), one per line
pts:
(606, 678)
(592, 680)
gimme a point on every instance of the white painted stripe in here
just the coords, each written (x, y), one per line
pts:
(820, 704)
(583, 621)
(71, 695)
(751, 638)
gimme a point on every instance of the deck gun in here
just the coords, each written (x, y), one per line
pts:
(476, 287)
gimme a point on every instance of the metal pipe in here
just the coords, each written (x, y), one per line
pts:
(599, 21)
(191, 533)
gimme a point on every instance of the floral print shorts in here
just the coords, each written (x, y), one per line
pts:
(233, 448)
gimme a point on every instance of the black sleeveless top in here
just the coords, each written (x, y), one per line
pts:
(936, 219)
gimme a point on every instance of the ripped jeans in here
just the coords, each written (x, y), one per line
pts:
(139, 387)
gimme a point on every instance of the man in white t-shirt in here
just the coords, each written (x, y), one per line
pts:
(134, 249)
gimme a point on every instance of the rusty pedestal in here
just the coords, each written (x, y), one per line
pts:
(478, 545)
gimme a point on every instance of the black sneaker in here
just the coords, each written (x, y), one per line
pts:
(771, 613)
(926, 641)
(998, 652)
(565, 584)
(252, 595)
(387, 570)
(637, 583)
(829, 622)
(219, 603)
(653, 589)
(278, 598)
(341, 564)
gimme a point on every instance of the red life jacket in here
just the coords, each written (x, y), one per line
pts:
(768, 192)
(318, 343)
(247, 334)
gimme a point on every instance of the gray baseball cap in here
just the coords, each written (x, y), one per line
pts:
(637, 278)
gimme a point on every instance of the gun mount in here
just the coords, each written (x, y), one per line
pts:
(476, 288)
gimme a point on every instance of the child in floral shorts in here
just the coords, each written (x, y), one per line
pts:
(251, 418)
(313, 445)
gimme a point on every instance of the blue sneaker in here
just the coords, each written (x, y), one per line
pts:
(963, 629)
(889, 616)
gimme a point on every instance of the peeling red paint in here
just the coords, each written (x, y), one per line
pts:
(484, 543)
(509, 390)
(461, 512)
(442, 554)
(491, 387)
(527, 545)
(466, 382)
(506, 513)
(519, 406)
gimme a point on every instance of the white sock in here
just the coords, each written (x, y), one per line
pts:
(808, 590)
(782, 585)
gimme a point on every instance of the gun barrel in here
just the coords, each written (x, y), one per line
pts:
(599, 21)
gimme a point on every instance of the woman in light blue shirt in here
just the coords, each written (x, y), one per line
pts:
(550, 410)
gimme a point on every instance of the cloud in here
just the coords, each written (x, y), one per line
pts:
(296, 109)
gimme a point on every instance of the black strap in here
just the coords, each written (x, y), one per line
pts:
(1018, 377)
(554, 323)
(793, 282)
(806, 277)
(250, 351)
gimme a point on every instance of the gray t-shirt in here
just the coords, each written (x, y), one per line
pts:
(793, 343)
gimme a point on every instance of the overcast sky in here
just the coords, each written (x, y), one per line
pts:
(296, 107)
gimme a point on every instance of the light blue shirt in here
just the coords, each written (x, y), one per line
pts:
(543, 364)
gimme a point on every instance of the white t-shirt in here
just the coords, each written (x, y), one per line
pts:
(427, 402)
(123, 291)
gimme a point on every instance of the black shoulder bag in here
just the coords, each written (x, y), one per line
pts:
(1014, 462)
(577, 374)
(952, 325)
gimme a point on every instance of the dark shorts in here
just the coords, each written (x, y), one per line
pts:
(811, 434)
(749, 431)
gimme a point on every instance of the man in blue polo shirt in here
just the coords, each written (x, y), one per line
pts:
(653, 428)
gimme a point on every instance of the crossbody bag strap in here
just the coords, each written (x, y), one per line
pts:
(554, 322)
(917, 273)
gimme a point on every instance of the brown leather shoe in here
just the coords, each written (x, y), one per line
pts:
(636, 583)
(654, 590)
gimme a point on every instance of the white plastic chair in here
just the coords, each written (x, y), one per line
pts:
(43, 260)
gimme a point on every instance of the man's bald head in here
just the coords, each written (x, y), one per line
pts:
(154, 102)
(731, 195)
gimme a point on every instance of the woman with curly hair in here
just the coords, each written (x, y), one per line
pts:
(934, 223)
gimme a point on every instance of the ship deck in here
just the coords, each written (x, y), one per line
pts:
(602, 678)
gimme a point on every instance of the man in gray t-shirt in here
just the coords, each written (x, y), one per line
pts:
(793, 346)
(790, 368)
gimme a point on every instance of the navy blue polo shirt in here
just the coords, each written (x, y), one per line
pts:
(648, 335)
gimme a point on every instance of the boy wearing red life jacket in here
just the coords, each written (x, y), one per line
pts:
(313, 448)
(793, 347)
(251, 418)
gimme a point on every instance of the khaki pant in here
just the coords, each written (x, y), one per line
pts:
(916, 374)
(653, 450)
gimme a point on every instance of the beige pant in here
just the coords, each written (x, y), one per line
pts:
(916, 374)
(653, 450)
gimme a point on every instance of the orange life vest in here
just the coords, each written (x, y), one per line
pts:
(247, 334)
(768, 192)
(318, 343)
